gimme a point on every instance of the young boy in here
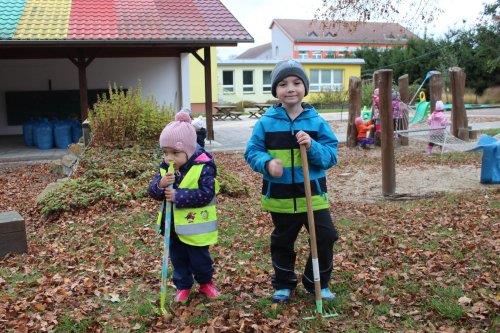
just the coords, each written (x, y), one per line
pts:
(273, 150)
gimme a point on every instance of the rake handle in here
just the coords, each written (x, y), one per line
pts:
(310, 222)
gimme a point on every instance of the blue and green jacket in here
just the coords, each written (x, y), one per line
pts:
(274, 137)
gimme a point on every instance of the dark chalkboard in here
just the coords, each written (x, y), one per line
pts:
(61, 104)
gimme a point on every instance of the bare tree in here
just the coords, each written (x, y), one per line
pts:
(351, 13)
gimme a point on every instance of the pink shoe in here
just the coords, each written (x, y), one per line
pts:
(209, 290)
(181, 296)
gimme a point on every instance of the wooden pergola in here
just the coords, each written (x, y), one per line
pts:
(81, 54)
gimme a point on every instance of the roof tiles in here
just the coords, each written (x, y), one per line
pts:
(119, 20)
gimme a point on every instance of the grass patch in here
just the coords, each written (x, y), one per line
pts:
(382, 309)
(69, 325)
(345, 222)
(445, 302)
(268, 309)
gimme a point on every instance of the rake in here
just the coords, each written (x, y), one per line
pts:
(312, 235)
(166, 245)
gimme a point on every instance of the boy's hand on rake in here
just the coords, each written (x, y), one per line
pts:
(303, 139)
(275, 167)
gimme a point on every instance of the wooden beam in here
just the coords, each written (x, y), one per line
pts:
(208, 93)
(197, 56)
(354, 109)
(387, 134)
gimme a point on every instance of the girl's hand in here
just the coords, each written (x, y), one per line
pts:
(167, 180)
(275, 168)
(170, 194)
(303, 139)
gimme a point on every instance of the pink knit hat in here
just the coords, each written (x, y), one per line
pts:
(358, 121)
(179, 135)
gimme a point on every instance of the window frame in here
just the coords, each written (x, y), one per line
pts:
(264, 85)
(243, 85)
(226, 88)
(332, 86)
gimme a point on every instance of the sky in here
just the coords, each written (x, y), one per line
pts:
(256, 17)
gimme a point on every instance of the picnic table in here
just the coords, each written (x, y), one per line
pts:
(226, 111)
(261, 109)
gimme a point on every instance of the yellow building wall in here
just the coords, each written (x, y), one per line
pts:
(197, 77)
(258, 95)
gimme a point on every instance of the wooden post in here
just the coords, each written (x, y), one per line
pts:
(436, 89)
(458, 114)
(404, 93)
(376, 80)
(81, 63)
(82, 83)
(354, 109)
(12, 233)
(387, 134)
(208, 93)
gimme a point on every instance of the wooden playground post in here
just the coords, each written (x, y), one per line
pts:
(404, 93)
(387, 134)
(459, 123)
(354, 109)
(436, 89)
(376, 80)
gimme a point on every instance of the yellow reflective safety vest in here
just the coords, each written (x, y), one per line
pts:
(194, 225)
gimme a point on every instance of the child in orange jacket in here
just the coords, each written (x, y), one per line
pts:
(363, 138)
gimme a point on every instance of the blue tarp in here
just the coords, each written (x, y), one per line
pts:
(490, 167)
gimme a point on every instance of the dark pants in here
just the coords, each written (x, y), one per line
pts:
(189, 261)
(286, 230)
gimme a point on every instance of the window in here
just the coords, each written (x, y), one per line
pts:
(247, 81)
(302, 54)
(325, 79)
(266, 81)
(227, 81)
(316, 55)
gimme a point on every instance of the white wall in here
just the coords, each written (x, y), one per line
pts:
(284, 44)
(159, 77)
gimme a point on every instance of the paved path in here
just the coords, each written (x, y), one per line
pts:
(234, 134)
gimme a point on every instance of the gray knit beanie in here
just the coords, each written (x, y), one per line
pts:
(285, 69)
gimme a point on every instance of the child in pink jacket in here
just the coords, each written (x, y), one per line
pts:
(436, 123)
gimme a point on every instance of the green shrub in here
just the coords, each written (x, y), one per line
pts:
(366, 94)
(124, 118)
(329, 99)
(230, 184)
(241, 105)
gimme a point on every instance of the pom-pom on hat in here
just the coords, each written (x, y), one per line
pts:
(439, 106)
(179, 135)
(285, 69)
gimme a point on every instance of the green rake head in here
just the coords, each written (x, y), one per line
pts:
(321, 313)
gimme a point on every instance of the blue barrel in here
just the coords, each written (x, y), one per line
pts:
(76, 131)
(62, 134)
(43, 135)
(35, 126)
(28, 133)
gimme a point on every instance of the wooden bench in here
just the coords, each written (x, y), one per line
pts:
(234, 115)
(12, 233)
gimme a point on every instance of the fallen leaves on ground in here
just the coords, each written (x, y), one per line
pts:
(420, 265)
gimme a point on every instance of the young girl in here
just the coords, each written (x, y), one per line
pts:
(436, 123)
(194, 220)
(273, 150)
